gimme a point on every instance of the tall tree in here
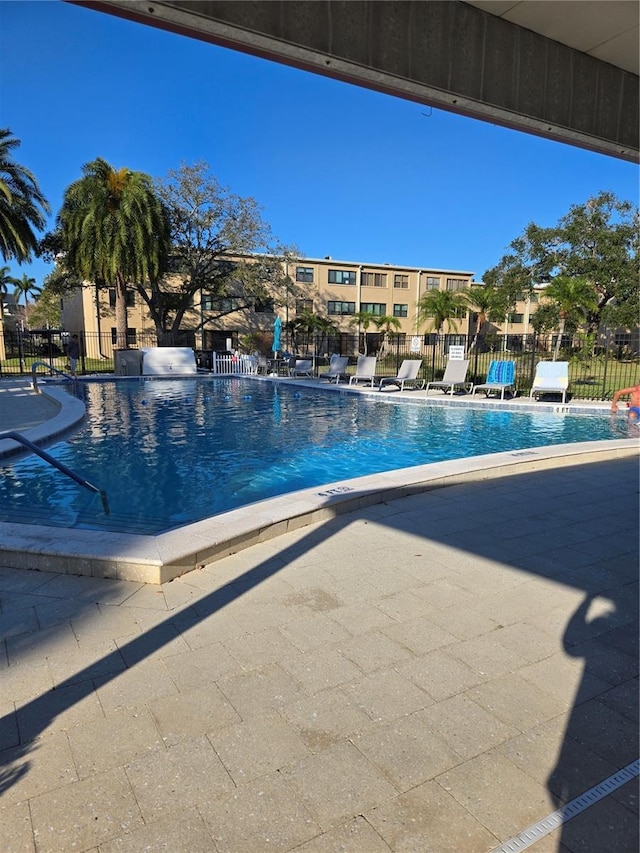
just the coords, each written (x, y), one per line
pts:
(386, 324)
(490, 303)
(596, 241)
(309, 326)
(114, 231)
(24, 288)
(363, 320)
(221, 248)
(23, 207)
(46, 311)
(575, 298)
(441, 306)
(6, 280)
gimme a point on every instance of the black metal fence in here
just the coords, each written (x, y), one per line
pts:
(598, 365)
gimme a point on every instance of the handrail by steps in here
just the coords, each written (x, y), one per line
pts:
(17, 436)
(37, 364)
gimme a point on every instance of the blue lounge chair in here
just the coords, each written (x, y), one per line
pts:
(501, 377)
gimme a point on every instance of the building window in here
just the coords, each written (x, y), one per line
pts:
(456, 283)
(264, 306)
(515, 318)
(304, 305)
(374, 279)
(130, 298)
(400, 310)
(401, 281)
(131, 336)
(341, 307)
(219, 304)
(342, 277)
(378, 309)
(433, 282)
(304, 274)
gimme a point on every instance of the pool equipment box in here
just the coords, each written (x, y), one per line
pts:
(127, 362)
(163, 361)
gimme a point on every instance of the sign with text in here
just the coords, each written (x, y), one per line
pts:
(415, 343)
(456, 353)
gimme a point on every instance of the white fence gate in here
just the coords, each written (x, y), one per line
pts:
(230, 364)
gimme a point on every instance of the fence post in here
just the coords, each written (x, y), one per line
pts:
(433, 356)
(606, 362)
(21, 351)
(475, 361)
(532, 367)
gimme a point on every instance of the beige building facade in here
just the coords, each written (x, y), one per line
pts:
(337, 290)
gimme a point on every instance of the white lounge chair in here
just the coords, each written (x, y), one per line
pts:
(408, 374)
(455, 376)
(500, 377)
(552, 377)
(365, 370)
(301, 367)
(337, 369)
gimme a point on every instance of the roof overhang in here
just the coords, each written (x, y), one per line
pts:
(566, 70)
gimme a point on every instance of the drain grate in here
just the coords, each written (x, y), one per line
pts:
(543, 827)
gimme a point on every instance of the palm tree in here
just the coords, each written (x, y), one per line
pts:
(309, 325)
(23, 208)
(574, 298)
(114, 229)
(441, 306)
(5, 280)
(489, 303)
(386, 323)
(24, 287)
(363, 319)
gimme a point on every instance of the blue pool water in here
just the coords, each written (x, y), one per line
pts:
(169, 452)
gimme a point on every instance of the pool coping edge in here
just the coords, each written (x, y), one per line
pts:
(166, 556)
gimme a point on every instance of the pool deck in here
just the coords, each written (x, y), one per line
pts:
(435, 673)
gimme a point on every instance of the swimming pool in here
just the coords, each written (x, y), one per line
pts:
(171, 452)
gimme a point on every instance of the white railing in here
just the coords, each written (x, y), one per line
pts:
(229, 364)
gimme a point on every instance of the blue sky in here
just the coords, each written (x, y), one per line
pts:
(338, 170)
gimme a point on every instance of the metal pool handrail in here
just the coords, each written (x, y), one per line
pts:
(37, 364)
(17, 436)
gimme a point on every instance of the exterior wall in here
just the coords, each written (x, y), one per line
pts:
(334, 289)
(79, 312)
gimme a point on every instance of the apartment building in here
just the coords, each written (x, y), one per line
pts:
(336, 289)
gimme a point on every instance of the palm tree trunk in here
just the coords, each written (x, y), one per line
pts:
(556, 350)
(476, 337)
(121, 314)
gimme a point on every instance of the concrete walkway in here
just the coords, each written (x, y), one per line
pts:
(435, 674)
(21, 408)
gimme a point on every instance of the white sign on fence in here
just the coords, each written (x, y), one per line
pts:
(456, 353)
(415, 343)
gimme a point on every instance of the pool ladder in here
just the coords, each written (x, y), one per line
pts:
(17, 436)
(34, 377)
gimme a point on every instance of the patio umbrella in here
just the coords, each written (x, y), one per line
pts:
(277, 328)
